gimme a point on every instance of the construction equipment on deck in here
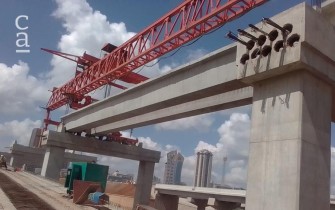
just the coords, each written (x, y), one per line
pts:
(86, 172)
(188, 21)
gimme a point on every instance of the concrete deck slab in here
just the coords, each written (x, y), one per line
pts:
(202, 192)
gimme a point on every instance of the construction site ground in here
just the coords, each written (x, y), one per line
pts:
(22, 190)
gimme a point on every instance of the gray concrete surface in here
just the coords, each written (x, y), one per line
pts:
(209, 76)
(93, 145)
(200, 203)
(231, 99)
(312, 52)
(220, 205)
(144, 183)
(328, 10)
(289, 159)
(166, 201)
(228, 195)
(53, 162)
(33, 157)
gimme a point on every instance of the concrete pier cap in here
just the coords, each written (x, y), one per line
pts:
(306, 45)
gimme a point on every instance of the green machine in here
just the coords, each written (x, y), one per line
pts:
(86, 172)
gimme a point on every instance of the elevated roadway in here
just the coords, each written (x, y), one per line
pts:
(204, 193)
(206, 85)
(292, 95)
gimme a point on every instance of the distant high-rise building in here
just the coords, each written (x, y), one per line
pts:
(35, 137)
(203, 171)
(173, 167)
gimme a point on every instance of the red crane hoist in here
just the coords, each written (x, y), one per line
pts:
(190, 20)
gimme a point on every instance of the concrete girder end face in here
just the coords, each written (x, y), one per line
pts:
(45, 136)
(298, 38)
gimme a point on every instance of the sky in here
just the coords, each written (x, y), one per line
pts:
(78, 26)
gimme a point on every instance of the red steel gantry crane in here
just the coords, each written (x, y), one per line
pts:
(191, 19)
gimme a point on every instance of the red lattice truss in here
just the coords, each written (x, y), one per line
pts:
(188, 21)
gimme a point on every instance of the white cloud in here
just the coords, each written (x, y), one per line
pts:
(129, 166)
(234, 135)
(212, 148)
(88, 30)
(20, 92)
(188, 171)
(242, 109)
(18, 130)
(199, 122)
(195, 54)
(233, 144)
(149, 144)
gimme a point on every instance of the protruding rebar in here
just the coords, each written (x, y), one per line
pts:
(270, 22)
(234, 37)
(246, 34)
(258, 29)
(272, 35)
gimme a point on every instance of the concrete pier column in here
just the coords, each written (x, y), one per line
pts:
(166, 202)
(224, 205)
(200, 203)
(144, 183)
(289, 161)
(13, 159)
(53, 162)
